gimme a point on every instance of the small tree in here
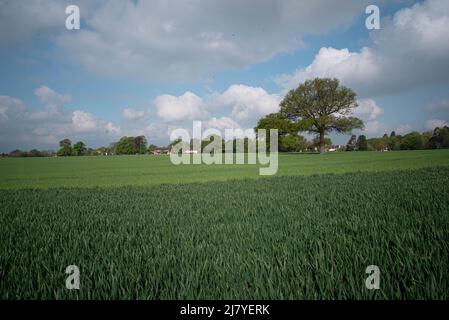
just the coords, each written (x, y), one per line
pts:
(125, 145)
(321, 106)
(79, 149)
(439, 138)
(362, 143)
(65, 147)
(140, 144)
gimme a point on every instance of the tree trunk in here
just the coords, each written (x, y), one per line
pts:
(322, 148)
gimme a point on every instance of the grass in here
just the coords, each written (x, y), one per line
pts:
(149, 170)
(295, 236)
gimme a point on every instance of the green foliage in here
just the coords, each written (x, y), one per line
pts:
(140, 145)
(394, 142)
(31, 153)
(412, 141)
(79, 149)
(439, 138)
(152, 148)
(278, 121)
(130, 145)
(65, 148)
(362, 143)
(271, 238)
(125, 145)
(377, 144)
(292, 143)
(35, 153)
(321, 106)
(289, 139)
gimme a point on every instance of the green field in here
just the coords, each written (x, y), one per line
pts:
(150, 170)
(141, 228)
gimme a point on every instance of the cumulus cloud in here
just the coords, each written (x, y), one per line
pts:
(370, 113)
(188, 106)
(368, 110)
(112, 129)
(52, 100)
(246, 103)
(239, 106)
(83, 121)
(22, 128)
(352, 68)
(408, 52)
(11, 108)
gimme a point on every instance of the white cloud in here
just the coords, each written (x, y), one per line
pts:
(239, 106)
(83, 121)
(370, 113)
(368, 110)
(132, 114)
(188, 106)
(52, 100)
(351, 68)
(184, 40)
(247, 103)
(110, 128)
(433, 123)
(222, 123)
(375, 128)
(22, 128)
(10, 108)
(408, 52)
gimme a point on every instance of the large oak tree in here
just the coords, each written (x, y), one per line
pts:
(321, 106)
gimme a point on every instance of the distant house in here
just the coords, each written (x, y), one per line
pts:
(333, 148)
(160, 151)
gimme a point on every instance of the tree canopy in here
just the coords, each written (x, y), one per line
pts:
(65, 148)
(79, 149)
(321, 106)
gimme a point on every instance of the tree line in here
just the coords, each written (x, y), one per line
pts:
(288, 142)
(436, 139)
(126, 145)
(318, 106)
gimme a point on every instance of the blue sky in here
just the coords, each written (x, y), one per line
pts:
(148, 67)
